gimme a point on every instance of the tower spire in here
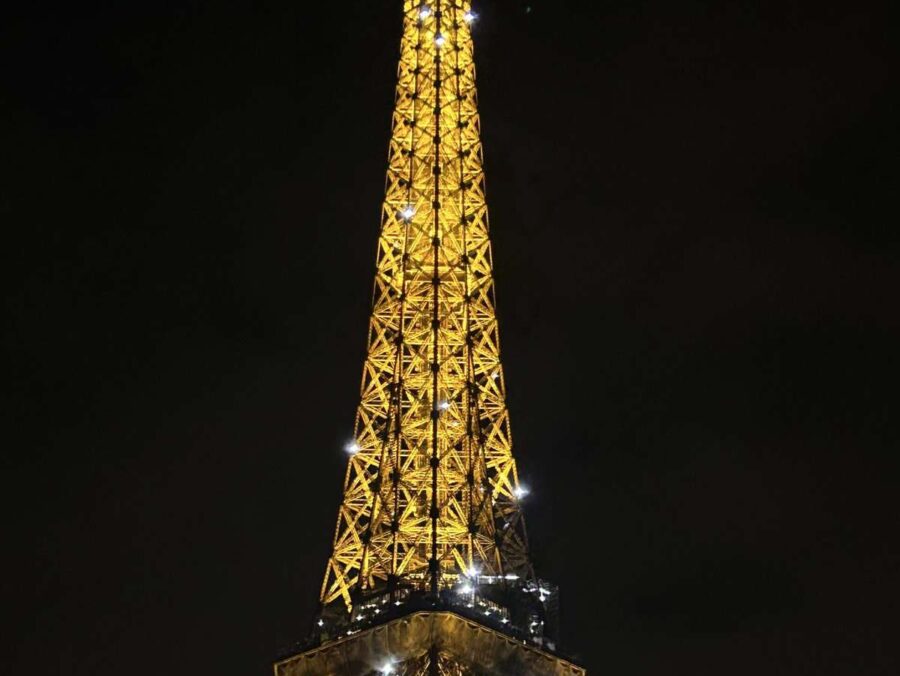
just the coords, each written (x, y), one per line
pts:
(431, 490)
(430, 572)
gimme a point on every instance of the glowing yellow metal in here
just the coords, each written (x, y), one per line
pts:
(430, 491)
(460, 647)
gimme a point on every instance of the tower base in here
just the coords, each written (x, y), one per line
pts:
(427, 643)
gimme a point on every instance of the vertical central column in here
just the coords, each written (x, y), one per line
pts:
(434, 566)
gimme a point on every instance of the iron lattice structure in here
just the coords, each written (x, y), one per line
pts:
(431, 492)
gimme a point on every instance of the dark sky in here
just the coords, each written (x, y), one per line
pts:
(694, 218)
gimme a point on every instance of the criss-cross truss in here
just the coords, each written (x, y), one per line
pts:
(431, 490)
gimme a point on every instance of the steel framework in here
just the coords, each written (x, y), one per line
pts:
(431, 493)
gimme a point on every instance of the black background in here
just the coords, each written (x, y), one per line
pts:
(696, 249)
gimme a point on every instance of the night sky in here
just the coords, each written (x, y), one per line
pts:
(694, 219)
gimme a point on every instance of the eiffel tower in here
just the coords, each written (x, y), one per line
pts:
(430, 571)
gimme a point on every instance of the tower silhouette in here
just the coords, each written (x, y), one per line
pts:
(430, 572)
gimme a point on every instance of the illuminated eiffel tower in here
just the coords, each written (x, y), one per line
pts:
(430, 572)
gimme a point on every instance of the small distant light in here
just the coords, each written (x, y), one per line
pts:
(408, 212)
(388, 667)
(352, 448)
(425, 12)
(440, 40)
(505, 620)
(520, 492)
(360, 617)
(470, 17)
(512, 576)
(495, 375)
(444, 405)
(466, 589)
(472, 572)
(321, 623)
